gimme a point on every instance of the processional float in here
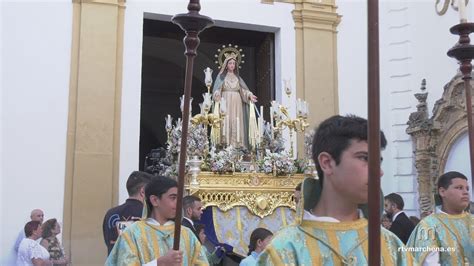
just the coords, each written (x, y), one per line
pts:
(193, 23)
(260, 193)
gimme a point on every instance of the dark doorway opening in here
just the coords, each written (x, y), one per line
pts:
(163, 71)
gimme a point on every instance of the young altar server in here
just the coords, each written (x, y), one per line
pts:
(446, 238)
(332, 229)
(150, 241)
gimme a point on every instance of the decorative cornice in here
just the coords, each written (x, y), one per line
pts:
(260, 193)
(322, 19)
(271, 2)
(120, 3)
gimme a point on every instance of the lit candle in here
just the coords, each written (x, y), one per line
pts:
(168, 122)
(261, 110)
(462, 11)
(238, 130)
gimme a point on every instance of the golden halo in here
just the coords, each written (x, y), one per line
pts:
(229, 51)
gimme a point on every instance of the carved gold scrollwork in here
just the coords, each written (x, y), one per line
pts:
(260, 193)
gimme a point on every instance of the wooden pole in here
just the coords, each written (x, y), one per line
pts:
(463, 51)
(470, 121)
(374, 132)
(192, 23)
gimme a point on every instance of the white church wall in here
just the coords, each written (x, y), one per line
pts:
(35, 51)
(248, 14)
(2, 216)
(413, 45)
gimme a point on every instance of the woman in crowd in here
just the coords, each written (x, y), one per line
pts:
(51, 229)
(29, 251)
(259, 239)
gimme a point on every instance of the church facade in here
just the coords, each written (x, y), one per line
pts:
(71, 75)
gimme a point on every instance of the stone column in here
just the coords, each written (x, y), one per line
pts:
(93, 135)
(420, 127)
(316, 59)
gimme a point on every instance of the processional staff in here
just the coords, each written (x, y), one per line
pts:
(374, 132)
(463, 51)
(192, 23)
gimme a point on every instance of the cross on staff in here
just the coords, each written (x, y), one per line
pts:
(192, 23)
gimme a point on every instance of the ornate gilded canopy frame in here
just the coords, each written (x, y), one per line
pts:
(434, 136)
(260, 193)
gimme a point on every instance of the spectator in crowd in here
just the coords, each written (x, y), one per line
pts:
(297, 193)
(415, 220)
(192, 208)
(386, 222)
(118, 218)
(35, 215)
(450, 228)
(50, 242)
(213, 258)
(401, 224)
(259, 239)
(30, 252)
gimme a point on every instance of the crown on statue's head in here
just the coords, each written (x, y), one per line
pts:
(230, 55)
(227, 52)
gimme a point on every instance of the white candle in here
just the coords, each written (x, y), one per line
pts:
(168, 122)
(208, 76)
(223, 130)
(228, 130)
(271, 116)
(261, 110)
(462, 11)
(238, 130)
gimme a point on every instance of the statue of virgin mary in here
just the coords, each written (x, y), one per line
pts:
(230, 86)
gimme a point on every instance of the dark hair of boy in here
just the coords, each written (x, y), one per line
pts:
(158, 186)
(335, 134)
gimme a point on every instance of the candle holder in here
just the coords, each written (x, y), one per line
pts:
(298, 124)
(463, 51)
(206, 118)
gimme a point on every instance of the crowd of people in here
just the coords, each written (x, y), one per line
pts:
(37, 243)
(333, 228)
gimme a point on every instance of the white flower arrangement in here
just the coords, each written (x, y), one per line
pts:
(221, 161)
(281, 162)
(198, 143)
